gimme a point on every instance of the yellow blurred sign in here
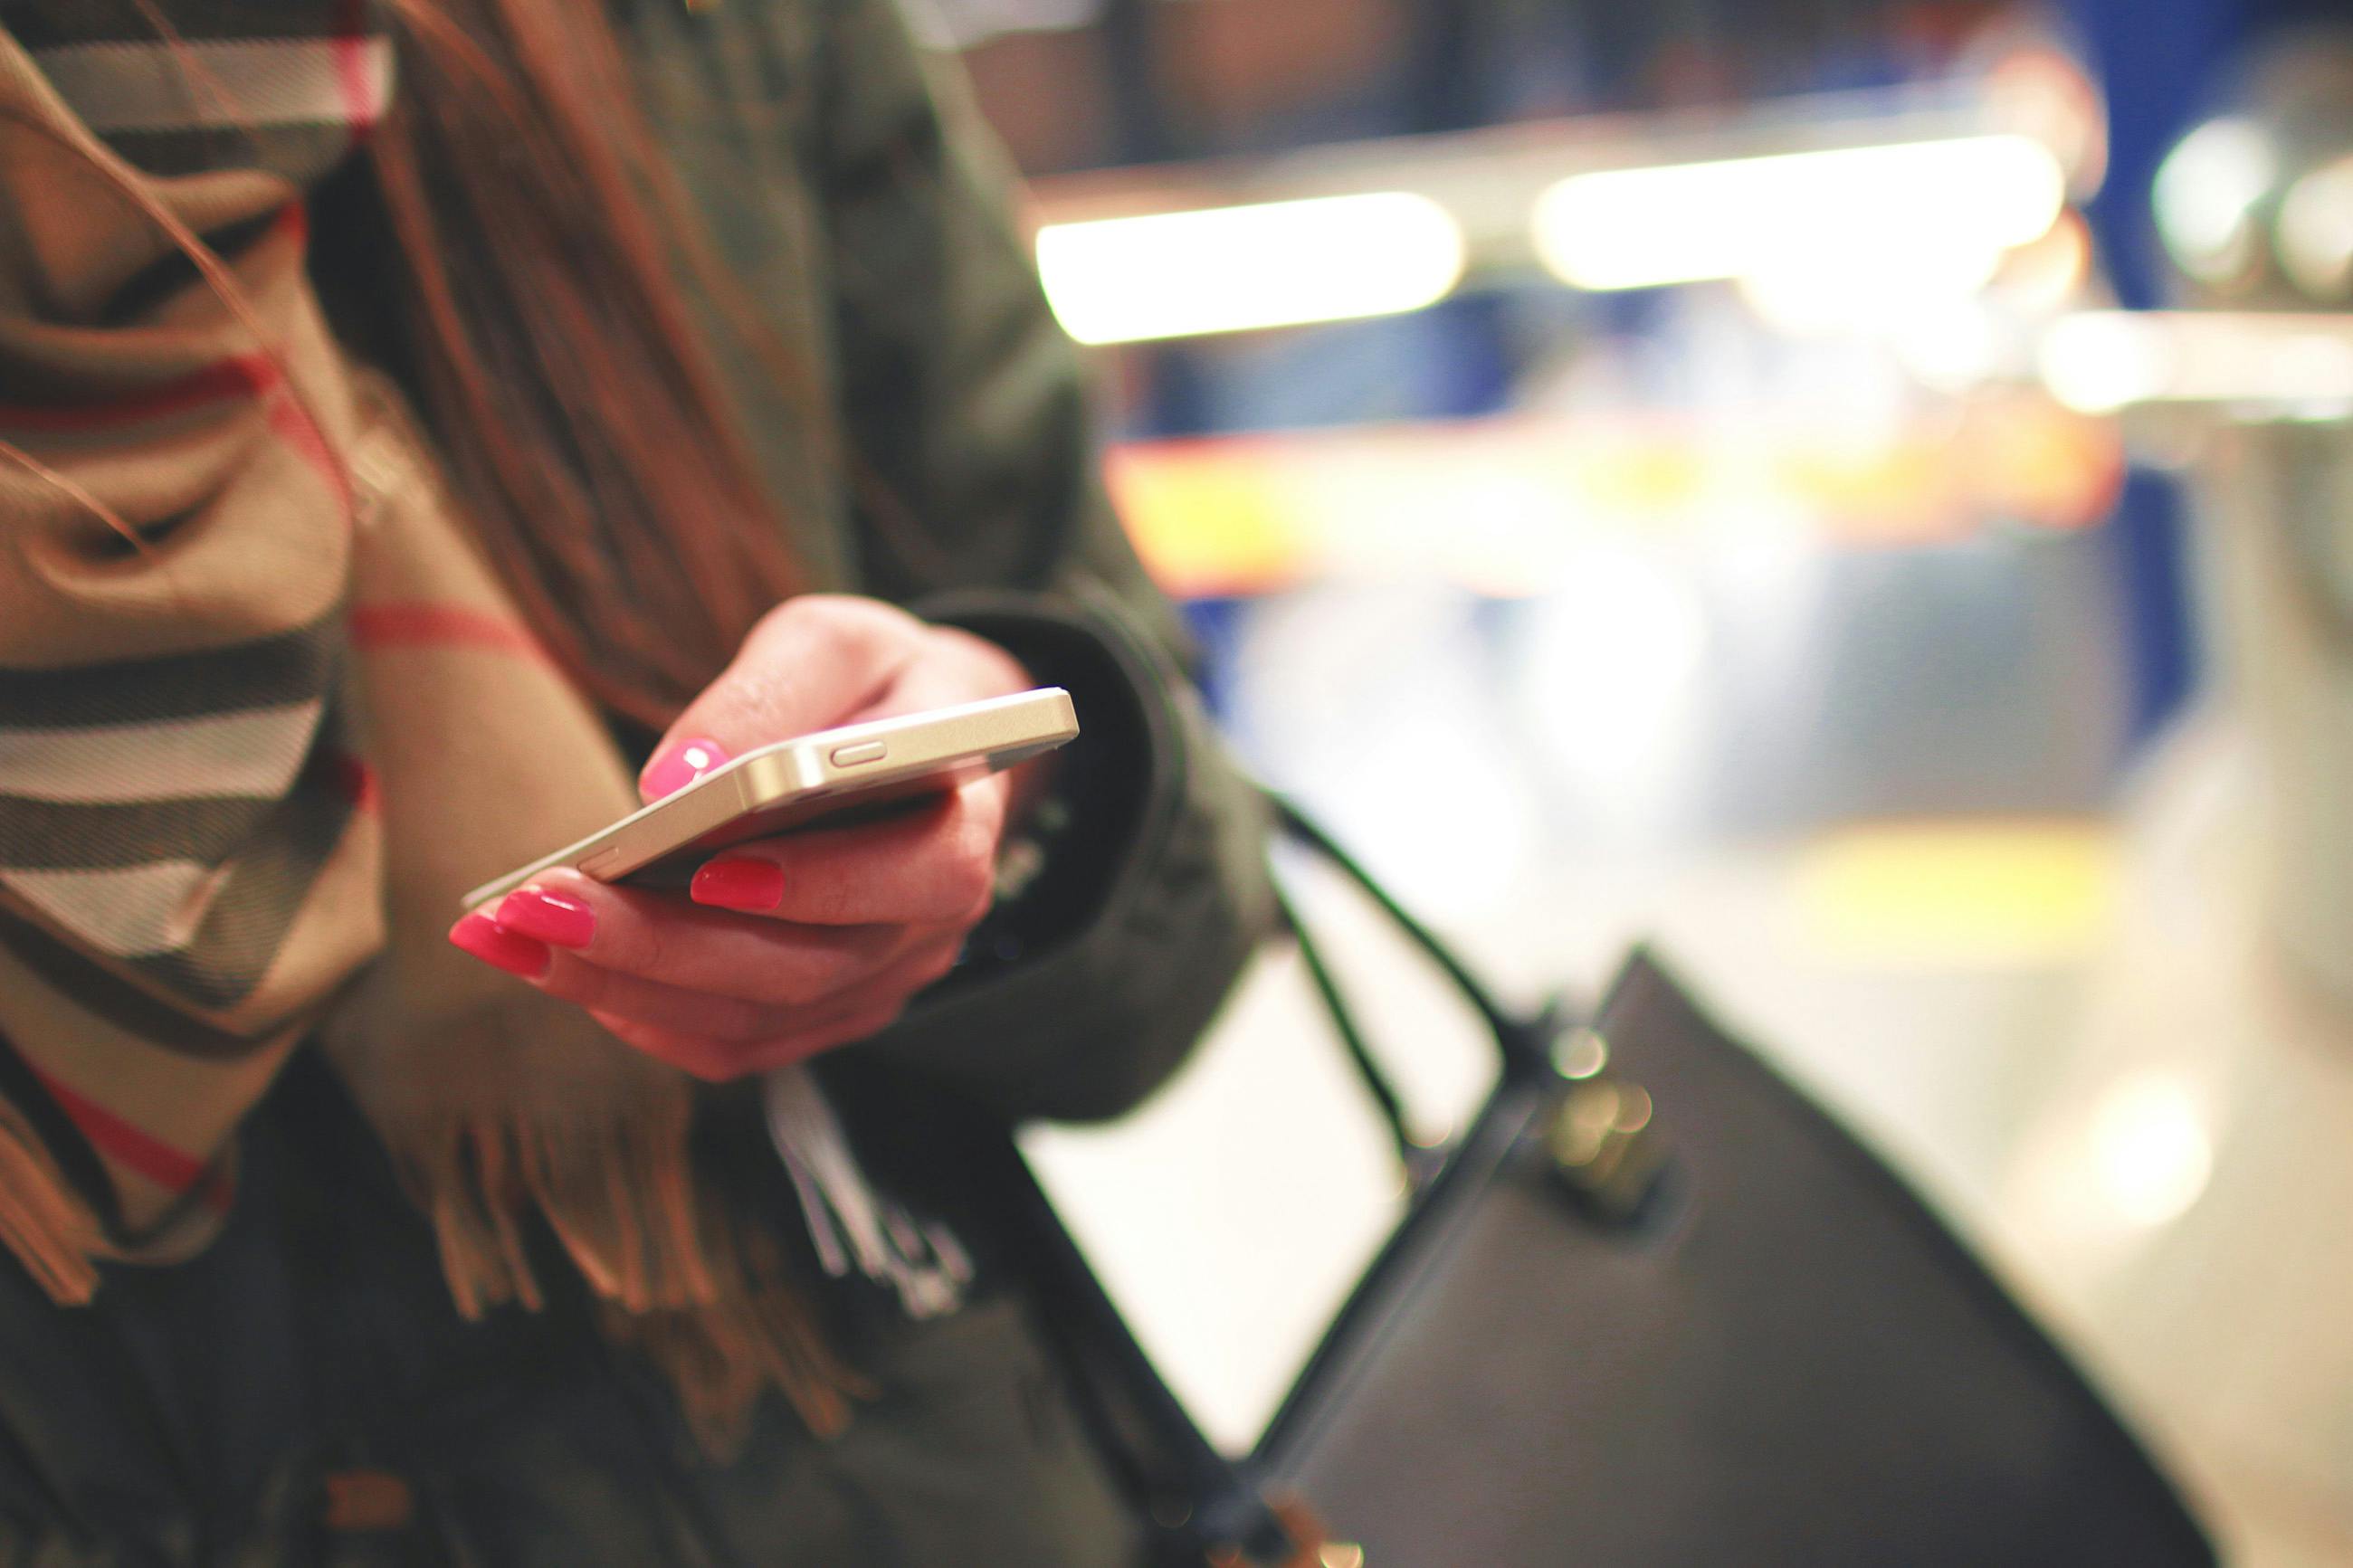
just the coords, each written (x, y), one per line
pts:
(1958, 894)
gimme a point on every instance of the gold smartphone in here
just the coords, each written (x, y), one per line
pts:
(810, 778)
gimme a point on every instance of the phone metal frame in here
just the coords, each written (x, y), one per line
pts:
(797, 780)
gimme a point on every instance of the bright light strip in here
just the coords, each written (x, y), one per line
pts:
(1228, 270)
(1683, 223)
(2097, 362)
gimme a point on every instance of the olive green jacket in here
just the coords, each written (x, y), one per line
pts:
(303, 1393)
(856, 194)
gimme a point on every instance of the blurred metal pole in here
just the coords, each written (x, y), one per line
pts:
(2156, 60)
(1168, 392)
(1446, 84)
(1143, 129)
(1450, 59)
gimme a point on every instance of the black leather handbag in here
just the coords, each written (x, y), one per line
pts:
(1652, 1307)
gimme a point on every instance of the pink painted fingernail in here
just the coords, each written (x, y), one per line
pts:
(681, 766)
(752, 886)
(478, 934)
(542, 916)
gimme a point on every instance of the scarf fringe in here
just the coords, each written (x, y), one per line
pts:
(713, 1309)
(722, 1358)
(50, 1230)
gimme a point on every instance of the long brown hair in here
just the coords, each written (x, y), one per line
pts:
(543, 243)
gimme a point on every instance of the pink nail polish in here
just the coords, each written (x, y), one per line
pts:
(542, 916)
(478, 934)
(753, 886)
(681, 766)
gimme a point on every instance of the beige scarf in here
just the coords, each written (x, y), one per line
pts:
(265, 713)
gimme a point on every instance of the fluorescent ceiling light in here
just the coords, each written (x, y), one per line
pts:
(1902, 206)
(1227, 269)
(1866, 294)
(2098, 362)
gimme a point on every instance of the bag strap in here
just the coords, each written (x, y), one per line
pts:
(1202, 1505)
(1193, 1499)
(1517, 1041)
(1369, 1071)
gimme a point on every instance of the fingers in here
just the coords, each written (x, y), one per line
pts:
(952, 667)
(720, 1062)
(738, 1018)
(671, 1026)
(812, 662)
(824, 660)
(933, 865)
(663, 940)
(849, 983)
(851, 921)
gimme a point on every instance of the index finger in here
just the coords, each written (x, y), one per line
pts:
(812, 662)
(935, 864)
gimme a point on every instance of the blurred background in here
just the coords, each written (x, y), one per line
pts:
(1857, 493)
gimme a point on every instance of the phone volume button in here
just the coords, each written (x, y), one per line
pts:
(595, 864)
(864, 752)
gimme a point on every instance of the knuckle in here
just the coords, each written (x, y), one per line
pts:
(585, 985)
(645, 947)
(849, 1030)
(832, 634)
(712, 1061)
(840, 623)
(969, 874)
(830, 901)
(790, 985)
(800, 612)
(708, 1068)
(689, 1053)
(739, 1021)
(628, 1031)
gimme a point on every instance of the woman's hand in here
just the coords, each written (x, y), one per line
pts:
(795, 944)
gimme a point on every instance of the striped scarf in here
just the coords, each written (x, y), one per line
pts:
(265, 713)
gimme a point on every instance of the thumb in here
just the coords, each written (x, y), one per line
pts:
(811, 663)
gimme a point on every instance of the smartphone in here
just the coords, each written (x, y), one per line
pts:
(821, 777)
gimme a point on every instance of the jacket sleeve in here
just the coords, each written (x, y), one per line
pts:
(968, 434)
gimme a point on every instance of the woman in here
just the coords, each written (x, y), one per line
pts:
(414, 420)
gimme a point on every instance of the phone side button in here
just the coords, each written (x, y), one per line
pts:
(595, 864)
(864, 752)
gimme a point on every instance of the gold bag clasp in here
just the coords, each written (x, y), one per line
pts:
(1315, 1548)
(1602, 1136)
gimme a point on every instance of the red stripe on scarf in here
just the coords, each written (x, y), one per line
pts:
(174, 1170)
(246, 375)
(424, 624)
(240, 377)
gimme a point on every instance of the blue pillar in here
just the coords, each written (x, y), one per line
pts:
(2157, 61)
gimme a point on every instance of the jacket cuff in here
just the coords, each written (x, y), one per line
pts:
(1107, 781)
(1149, 905)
